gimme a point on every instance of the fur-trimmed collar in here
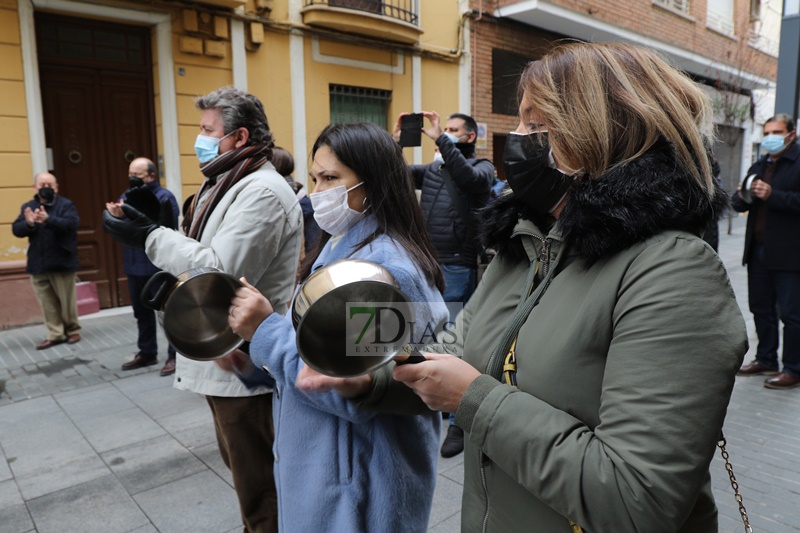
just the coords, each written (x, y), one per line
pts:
(610, 213)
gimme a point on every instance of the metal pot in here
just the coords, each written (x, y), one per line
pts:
(330, 341)
(193, 308)
(744, 188)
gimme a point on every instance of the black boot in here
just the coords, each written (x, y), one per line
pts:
(454, 441)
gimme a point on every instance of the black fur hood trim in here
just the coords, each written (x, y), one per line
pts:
(608, 214)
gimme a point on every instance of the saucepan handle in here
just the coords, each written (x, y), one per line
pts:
(156, 302)
(409, 357)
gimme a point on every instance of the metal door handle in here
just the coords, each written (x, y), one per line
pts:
(74, 157)
(129, 156)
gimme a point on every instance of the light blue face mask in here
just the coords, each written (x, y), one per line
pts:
(207, 148)
(454, 139)
(774, 143)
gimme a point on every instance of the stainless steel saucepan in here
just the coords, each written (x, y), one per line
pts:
(193, 308)
(341, 340)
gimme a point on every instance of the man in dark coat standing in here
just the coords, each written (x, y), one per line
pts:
(51, 223)
(771, 252)
(143, 183)
(453, 187)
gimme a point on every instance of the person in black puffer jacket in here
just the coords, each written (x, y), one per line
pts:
(51, 223)
(453, 187)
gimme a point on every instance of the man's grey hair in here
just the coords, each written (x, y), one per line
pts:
(239, 109)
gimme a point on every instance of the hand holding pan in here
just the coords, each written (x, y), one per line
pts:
(332, 339)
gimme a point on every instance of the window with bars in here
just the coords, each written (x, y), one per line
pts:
(681, 6)
(359, 104)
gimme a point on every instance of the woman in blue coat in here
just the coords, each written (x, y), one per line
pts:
(339, 465)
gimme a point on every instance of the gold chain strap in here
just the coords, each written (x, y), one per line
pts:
(737, 496)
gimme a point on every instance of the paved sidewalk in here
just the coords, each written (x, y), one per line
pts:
(88, 448)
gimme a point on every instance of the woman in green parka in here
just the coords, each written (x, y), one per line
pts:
(599, 352)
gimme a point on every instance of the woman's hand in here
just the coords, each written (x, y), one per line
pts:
(248, 310)
(440, 382)
(309, 380)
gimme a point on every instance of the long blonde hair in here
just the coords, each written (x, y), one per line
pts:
(606, 104)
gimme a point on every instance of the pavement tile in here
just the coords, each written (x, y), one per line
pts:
(113, 430)
(9, 494)
(201, 503)
(15, 519)
(101, 505)
(446, 500)
(209, 454)
(5, 471)
(152, 463)
(194, 427)
(451, 525)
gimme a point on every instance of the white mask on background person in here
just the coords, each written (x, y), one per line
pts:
(437, 156)
(331, 210)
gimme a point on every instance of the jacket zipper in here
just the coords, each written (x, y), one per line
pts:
(484, 462)
(544, 260)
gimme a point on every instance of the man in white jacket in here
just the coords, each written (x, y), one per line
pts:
(246, 221)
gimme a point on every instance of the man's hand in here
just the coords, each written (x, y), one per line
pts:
(435, 130)
(30, 217)
(131, 231)
(115, 209)
(249, 308)
(761, 189)
(309, 380)
(440, 382)
(397, 127)
(41, 215)
(238, 360)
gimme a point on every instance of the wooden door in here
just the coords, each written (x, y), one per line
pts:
(97, 99)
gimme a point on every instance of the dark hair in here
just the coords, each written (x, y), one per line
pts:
(374, 156)
(469, 123)
(283, 161)
(239, 109)
(782, 117)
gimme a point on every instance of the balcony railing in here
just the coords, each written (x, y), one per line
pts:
(402, 10)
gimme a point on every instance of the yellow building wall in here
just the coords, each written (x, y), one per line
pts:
(15, 160)
(439, 20)
(268, 78)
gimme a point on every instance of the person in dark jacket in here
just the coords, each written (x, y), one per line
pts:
(771, 252)
(143, 173)
(453, 187)
(51, 223)
(283, 162)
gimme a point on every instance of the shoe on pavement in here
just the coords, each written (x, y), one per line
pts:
(454, 441)
(140, 361)
(782, 381)
(48, 343)
(75, 337)
(169, 367)
(754, 368)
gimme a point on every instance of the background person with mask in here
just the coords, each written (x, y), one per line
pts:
(453, 187)
(244, 220)
(147, 195)
(772, 254)
(51, 223)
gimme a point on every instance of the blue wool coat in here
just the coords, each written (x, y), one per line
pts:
(339, 467)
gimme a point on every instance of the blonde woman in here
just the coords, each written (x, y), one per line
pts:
(600, 349)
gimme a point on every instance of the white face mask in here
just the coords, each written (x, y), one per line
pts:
(437, 156)
(331, 210)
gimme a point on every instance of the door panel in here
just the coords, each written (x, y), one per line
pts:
(97, 99)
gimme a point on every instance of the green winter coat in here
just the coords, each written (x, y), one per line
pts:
(625, 365)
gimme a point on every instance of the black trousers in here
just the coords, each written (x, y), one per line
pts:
(145, 319)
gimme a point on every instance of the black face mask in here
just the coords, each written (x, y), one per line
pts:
(47, 195)
(529, 175)
(134, 181)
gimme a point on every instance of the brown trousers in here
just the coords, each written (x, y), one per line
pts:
(245, 434)
(59, 303)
